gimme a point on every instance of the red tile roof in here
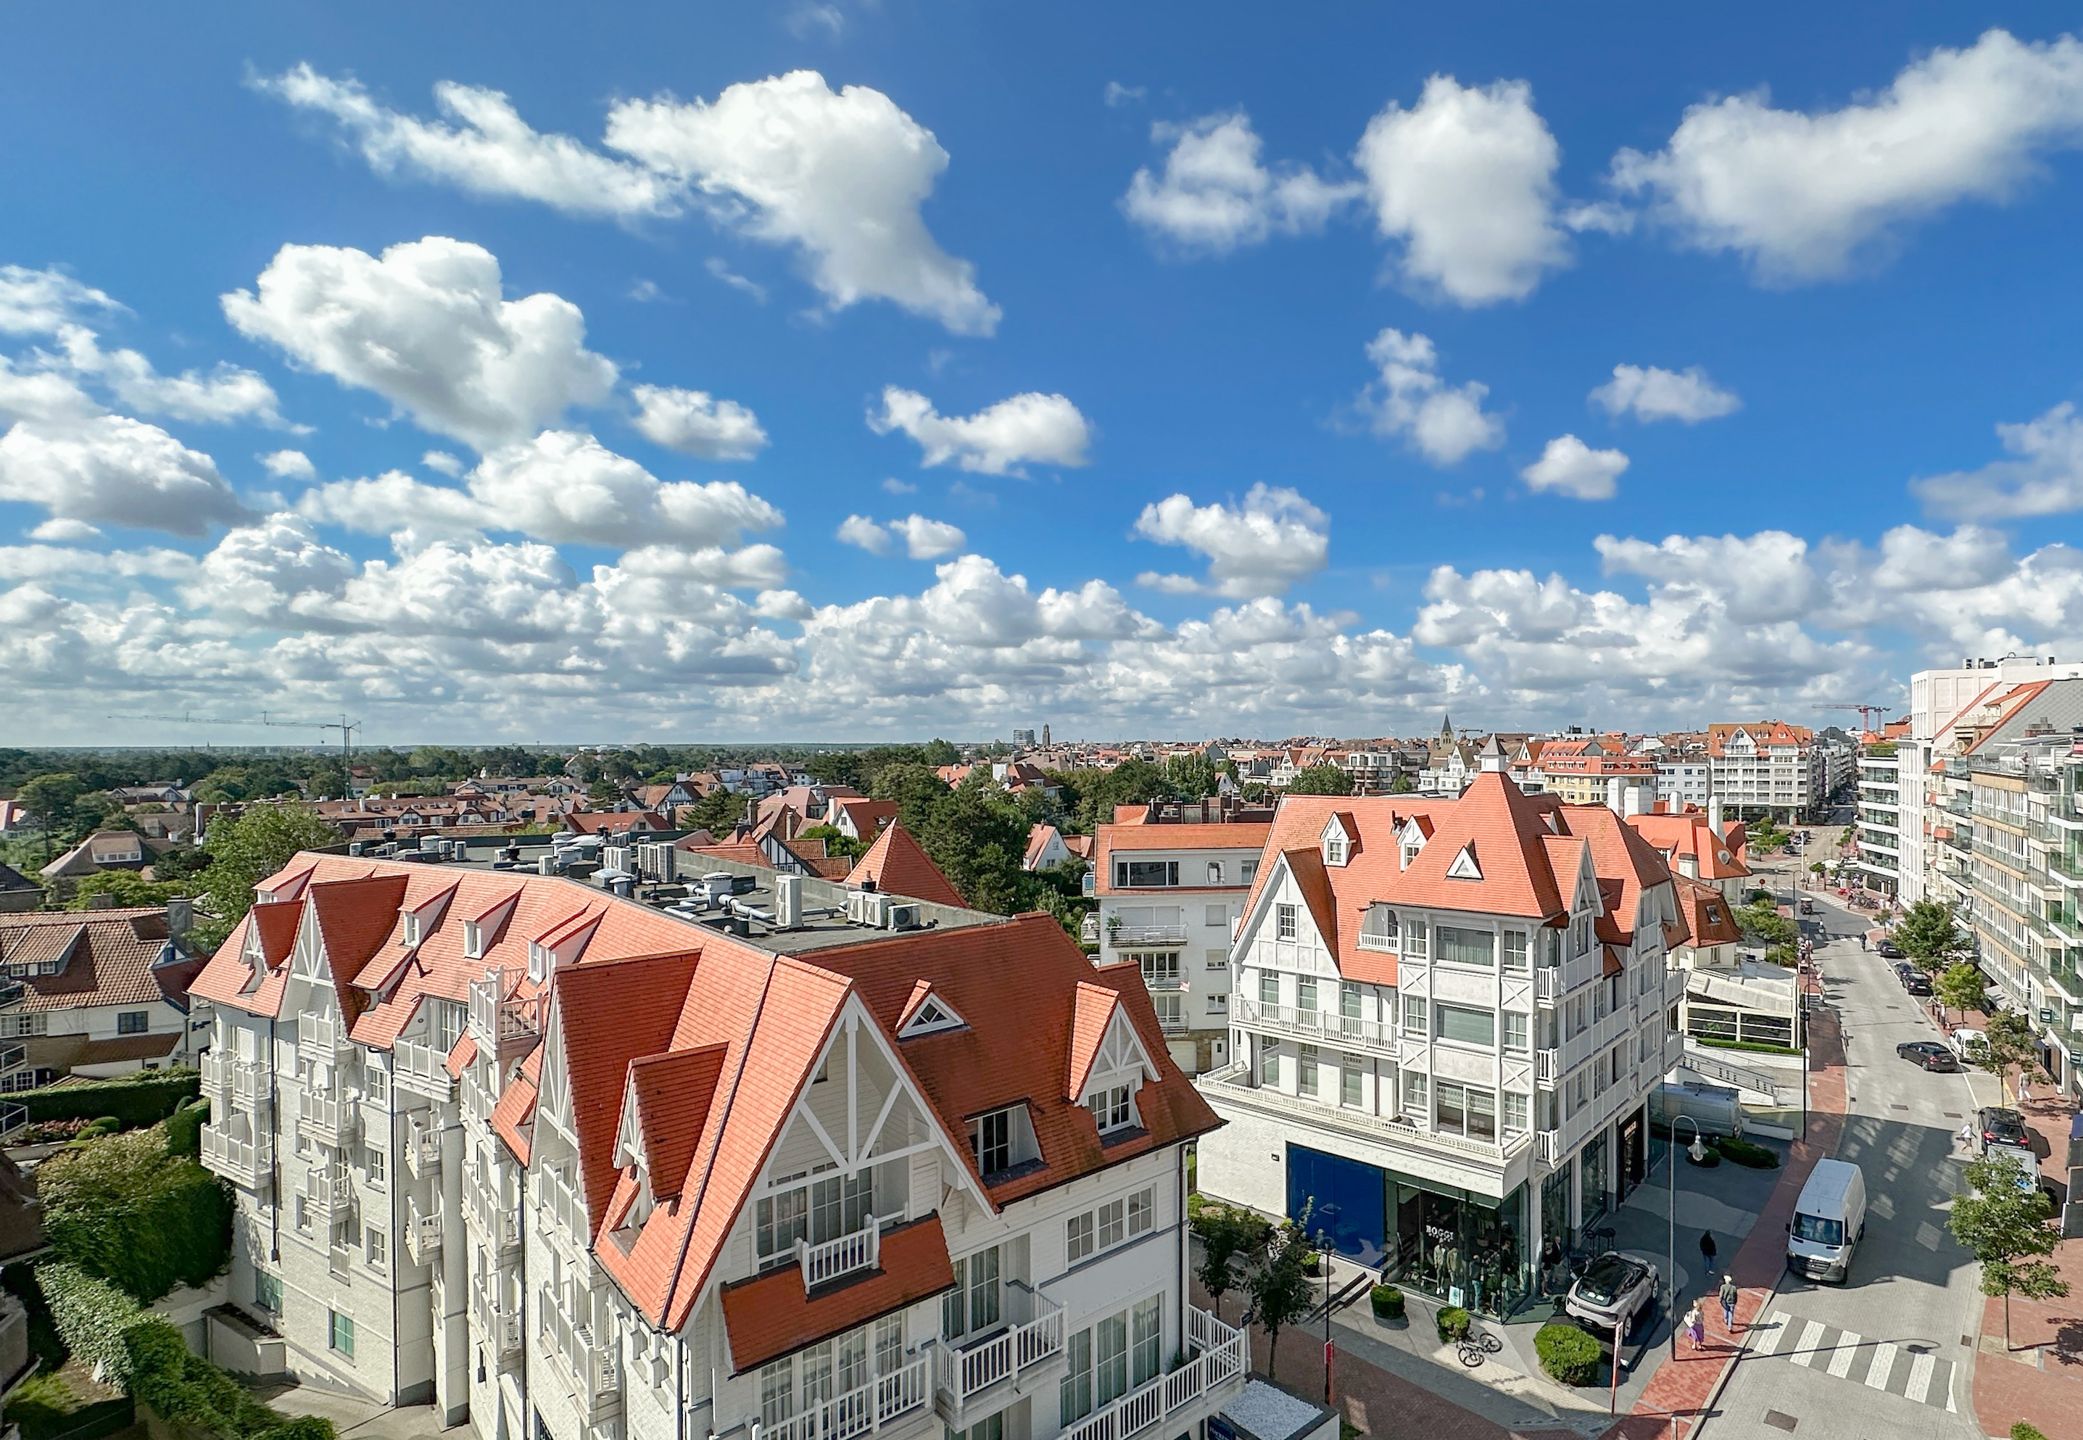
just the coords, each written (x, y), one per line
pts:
(771, 1315)
(109, 958)
(899, 866)
(673, 1092)
(1708, 920)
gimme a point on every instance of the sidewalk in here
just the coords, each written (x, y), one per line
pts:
(1682, 1389)
(2039, 1376)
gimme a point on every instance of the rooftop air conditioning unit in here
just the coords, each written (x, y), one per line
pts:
(903, 917)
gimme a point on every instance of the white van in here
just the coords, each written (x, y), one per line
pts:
(1829, 1221)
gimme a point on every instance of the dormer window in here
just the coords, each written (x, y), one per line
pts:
(412, 931)
(538, 960)
(932, 1015)
(473, 940)
(1334, 850)
(1112, 1109)
(1000, 1140)
(1378, 928)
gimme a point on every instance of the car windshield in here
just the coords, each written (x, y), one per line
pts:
(1818, 1230)
(1608, 1278)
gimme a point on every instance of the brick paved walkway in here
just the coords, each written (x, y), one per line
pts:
(1378, 1402)
(2039, 1376)
(1682, 1389)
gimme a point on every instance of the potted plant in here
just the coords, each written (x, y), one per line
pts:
(1387, 1301)
(1453, 1324)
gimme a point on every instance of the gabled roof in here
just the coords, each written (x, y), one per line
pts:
(1708, 919)
(898, 865)
(110, 957)
(1095, 1010)
(672, 1094)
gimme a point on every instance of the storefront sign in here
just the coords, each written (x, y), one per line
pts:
(1454, 1295)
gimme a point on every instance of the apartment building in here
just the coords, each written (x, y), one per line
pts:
(1448, 1017)
(1581, 769)
(787, 1158)
(1683, 780)
(1772, 769)
(1879, 855)
(1171, 882)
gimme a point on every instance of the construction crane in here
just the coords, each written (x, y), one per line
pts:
(345, 726)
(1866, 713)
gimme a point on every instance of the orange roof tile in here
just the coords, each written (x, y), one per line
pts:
(673, 1092)
(771, 1315)
(899, 866)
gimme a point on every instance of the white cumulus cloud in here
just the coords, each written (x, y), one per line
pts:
(227, 394)
(1259, 547)
(1442, 422)
(1807, 196)
(2042, 476)
(289, 465)
(38, 302)
(427, 326)
(997, 440)
(1570, 467)
(1215, 193)
(1648, 392)
(695, 422)
(923, 538)
(113, 470)
(840, 176)
(1465, 181)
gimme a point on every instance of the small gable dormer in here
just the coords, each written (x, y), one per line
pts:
(927, 1014)
(418, 922)
(481, 931)
(1409, 841)
(1108, 1061)
(1339, 838)
(1464, 865)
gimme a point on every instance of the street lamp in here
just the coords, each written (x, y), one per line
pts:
(1698, 1153)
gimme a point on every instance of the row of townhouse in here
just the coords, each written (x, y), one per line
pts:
(1446, 1020)
(822, 1163)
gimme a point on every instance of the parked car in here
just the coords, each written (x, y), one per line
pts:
(1614, 1293)
(1965, 1039)
(1929, 1054)
(1889, 950)
(1917, 983)
(2001, 1127)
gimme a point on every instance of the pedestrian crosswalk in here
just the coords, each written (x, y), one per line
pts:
(1907, 1369)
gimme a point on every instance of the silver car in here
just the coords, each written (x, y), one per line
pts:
(1613, 1293)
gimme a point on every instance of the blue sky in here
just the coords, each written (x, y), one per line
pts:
(846, 370)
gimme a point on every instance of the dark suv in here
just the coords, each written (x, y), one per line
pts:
(2000, 1127)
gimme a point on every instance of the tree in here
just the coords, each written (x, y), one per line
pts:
(836, 842)
(978, 838)
(182, 863)
(125, 888)
(49, 799)
(244, 852)
(1227, 1238)
(1193, 776)
(1961, 987)
(2009, 1229)
(717, 812)
(1762, 924)
(1402, 784)
(919, 793)
(1279, 1288)
(1325, 779)
(1927, 934)
(940, 752)
(2007, 1042)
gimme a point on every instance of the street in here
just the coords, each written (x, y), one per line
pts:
(1887, 1354)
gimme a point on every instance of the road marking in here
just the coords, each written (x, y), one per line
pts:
(1774, 1333)
(1841, 1361)
(1919, 1379)
(1811, 1338)
(1883, 1362)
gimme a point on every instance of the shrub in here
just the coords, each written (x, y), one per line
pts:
(184, 1129)
(1709, 1156)
(2026, 1430)
(95, 1129)
(93, 1317)
(145, 1098)
(120, 1207)
(1453, 1324)
(1743, 1152)
(1387, 1301)
(1567, 1354)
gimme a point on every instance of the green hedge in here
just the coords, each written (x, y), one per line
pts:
(122, 1208)
(1453, 1324)
(1387, 1301)
(145, 1098)
(1743, 1152)
(184, 1129)
(2026, 1430)
(1568, 1354)
(1755, 1047)
(142, 1354)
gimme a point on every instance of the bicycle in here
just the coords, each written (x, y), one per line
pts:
(1477, 1343)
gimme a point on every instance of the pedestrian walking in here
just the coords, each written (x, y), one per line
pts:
(1966, 1137)
(1728, 1303)
(1695, 1326)
(1707, 1252)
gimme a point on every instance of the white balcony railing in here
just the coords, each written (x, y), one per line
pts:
(1315, 1025)
(422, 1148)
(1233, 1086)
(1547, 984)
(330, 1120)
(1217, 1368)
(216, 1076)
(1128, 937)
(961, 1372)
(325, 1194)
(318, 1035)
(243, 1162)
(422, 1069)
(565, 1209)
(422, 1233)
(840, 1256)
(861, 1410)
(1547, 1064)
(501, 1023)
(600, 1379)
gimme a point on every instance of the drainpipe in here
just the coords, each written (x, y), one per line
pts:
(274, 1154)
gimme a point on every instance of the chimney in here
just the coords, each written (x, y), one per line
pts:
(1614, 789)
(1714, 814)
(180, 916)
(1632, 804)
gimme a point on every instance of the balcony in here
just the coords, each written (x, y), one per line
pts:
(564, 1208)
(840, 1256)
(422, 1148)
(1315, 1025)
(1143, 937)
(245, 1163)
(861, 1410)
(1182, 1398)
(1233, 1087)
(1547, 984)
(12, 992)
(319, 1035)
(600, 1379)
(330, 1120)
(964, 1373)
(422, 1069)
(494, 1219)
(505, 1026)
(326, 1194)
(422, 1233)
(1547, 1066)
